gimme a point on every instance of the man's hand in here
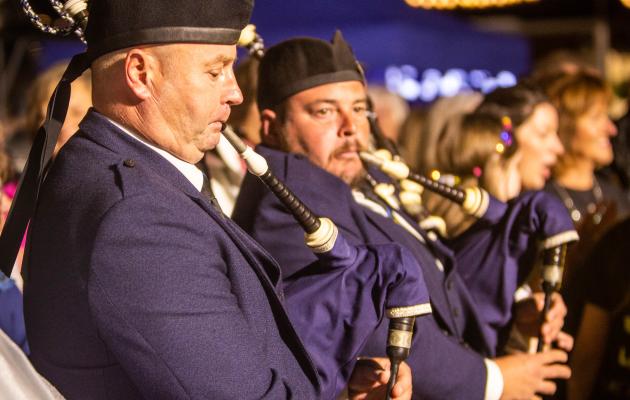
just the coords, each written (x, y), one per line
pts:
(527, 318)
(369, 380)
(525, 375)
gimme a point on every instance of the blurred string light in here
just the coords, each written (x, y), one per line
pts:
(431, 83)
(452, 4)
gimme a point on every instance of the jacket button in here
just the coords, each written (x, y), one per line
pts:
(449, 285)
(129, 163)
(455, 312)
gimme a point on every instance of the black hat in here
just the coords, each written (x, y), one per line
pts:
(303, 63)
(118, 24)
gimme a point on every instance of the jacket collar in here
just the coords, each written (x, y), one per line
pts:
(97, 128)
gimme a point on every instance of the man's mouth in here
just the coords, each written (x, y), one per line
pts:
(349, 150)
(218, 125)
(347, 153)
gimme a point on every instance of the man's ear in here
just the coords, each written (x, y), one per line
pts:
(139, 67)
(268, 128)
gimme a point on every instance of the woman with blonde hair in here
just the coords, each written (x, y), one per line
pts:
(594, 203)
(507, 145)
(585, 130)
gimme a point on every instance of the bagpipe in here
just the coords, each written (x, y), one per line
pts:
(354, 278)
(385, 157)
(498, 251)
(552, 271)
(382, 281)
(399, 283)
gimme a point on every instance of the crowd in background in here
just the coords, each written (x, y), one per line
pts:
(550, 132)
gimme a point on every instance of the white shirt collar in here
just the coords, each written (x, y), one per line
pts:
(190, 171)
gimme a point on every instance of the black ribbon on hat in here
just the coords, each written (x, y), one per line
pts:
(37, 165)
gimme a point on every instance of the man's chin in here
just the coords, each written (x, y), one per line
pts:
(353, 178)
(348, 171)
(211, 140)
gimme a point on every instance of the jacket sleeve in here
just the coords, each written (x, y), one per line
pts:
(270, 223)
(164, 302)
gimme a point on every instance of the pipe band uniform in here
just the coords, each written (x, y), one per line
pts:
(364, 275)
(534, 214)
(251, 277)
(313, 107)
(321, 234)
(325, 65)
(531, 214)
(510, 235)
(149, 235)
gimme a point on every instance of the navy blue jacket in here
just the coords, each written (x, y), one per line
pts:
(498, 252)
(443, 366)
(137, 288)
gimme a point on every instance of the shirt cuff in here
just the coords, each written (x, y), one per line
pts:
(494, 381)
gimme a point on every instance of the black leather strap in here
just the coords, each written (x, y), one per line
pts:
(37, 165)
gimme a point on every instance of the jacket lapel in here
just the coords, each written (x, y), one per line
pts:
(129, 148)
(261, 262)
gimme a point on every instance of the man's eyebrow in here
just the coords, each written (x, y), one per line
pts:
(334, 101)
(316, 101)
(222, 59)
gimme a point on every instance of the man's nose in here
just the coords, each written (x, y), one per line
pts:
(348, 124)
(233, 94)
